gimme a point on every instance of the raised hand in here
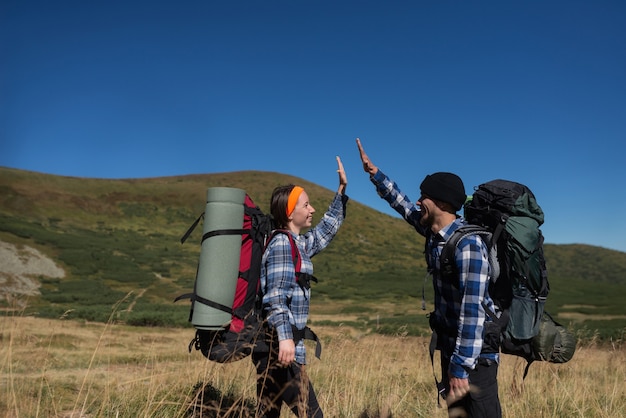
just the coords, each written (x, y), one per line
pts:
(368, 165)
(343, 179)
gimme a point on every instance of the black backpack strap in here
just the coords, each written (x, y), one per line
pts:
(194, 297)
(261, 221)
(213, 304)
(447, 261)
(307, 334)
(305, 279)
(432, 347)
(225, 232)
(191, 228)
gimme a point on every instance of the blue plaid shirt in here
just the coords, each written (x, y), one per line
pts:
(285, 302)
(458, 309)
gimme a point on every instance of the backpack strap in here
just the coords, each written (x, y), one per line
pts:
(259, 221)
(307, 334)
(295, 252)
(193, 296)
(191, 228)
(432, 347)
(303, 279)
(448, 268)
(257, 224)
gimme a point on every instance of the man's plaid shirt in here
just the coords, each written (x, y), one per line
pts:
(459, 309)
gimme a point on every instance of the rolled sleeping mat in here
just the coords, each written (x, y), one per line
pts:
(218, 267)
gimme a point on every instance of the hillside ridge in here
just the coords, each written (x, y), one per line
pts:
(114, 236)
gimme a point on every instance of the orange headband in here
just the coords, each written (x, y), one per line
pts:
(293, 199)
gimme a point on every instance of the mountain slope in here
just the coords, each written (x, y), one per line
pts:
(118, 242)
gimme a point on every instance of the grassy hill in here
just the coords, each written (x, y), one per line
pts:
(119, 244)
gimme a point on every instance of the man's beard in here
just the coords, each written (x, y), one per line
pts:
(425, 220)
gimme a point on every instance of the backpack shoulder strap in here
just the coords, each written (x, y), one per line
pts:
(447, 262)
(295, 252)
(303, 279)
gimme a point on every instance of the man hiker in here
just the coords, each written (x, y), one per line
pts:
(463, 331)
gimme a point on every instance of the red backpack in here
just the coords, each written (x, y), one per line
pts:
(245, 332)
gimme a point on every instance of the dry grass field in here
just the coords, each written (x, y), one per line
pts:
(60, 368)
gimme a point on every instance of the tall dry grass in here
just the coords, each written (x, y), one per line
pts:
(58, 368)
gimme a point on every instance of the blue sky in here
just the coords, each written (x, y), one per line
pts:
(531, 91)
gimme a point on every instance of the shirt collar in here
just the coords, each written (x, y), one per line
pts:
(449, 229)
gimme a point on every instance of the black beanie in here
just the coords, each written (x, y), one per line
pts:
(446, 187)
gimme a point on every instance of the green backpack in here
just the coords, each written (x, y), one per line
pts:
(507, 217)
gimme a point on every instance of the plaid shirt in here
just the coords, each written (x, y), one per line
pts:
(285, 302)
(457, 309)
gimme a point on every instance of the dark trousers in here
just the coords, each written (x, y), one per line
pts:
(483, 400)
(277, 384)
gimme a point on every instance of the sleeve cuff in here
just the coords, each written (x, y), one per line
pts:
(458, 371)
(378, 177)
(284, 332)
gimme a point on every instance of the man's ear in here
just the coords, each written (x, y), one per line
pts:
(444, 206)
